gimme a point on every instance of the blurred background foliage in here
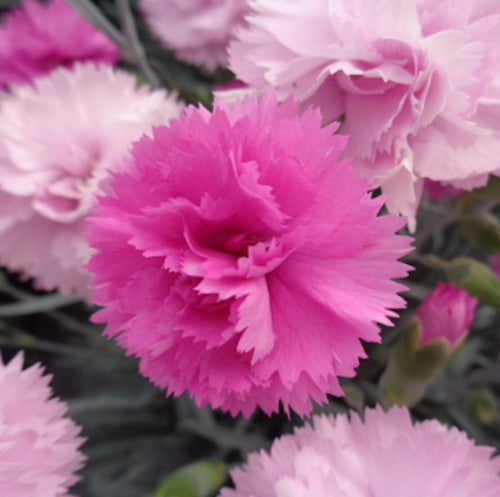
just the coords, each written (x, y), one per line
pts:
(142, 444)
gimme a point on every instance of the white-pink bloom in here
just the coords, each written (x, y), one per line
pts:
(39, 447)
(384, 456)
(58, 139)
(198, 30)
(417, 81)
(38, 36)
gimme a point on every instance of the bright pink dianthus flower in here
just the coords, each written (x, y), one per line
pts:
(417, 82)
(198, 30)
(58, 139)
(37, 37)
(39, 447)
(239, 259)
(384, 456)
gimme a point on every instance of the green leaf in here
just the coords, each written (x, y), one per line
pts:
(200, 479)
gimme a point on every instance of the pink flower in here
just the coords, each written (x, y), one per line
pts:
(417, 81)
(58, 139)
(436, 191)
(386, 456)
(198, 30)
(38, 445)
(494, 262)
(239, 259)
(447, 312)
(37, 37)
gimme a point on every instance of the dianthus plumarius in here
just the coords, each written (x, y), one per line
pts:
(383, 455)
(241, 260)
(39, 446)
(415, 82)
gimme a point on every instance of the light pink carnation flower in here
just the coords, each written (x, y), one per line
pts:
(58, 139)
(198, 30)
(37, 37)
(447, 312)
(239, 259)
(38, 445)
(417, 81)
(386, 456)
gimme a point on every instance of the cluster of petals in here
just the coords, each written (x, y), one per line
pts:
(37, 37)
(384, 456)
(241, 260)
(417, 83)
(447, 312)
(198, 30)
(39, 447)
(59, 137)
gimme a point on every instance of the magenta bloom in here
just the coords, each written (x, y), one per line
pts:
(447, 312)
(39, 447)
(198, 30)
(417, 82)
(437, 191)
(37, 37)
(386, 456)
(494, 262)
(239, 259)
(58, 139)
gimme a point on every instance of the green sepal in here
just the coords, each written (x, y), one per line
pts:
(201, 479)
(412, 368)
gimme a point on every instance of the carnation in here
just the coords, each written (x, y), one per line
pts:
(436, 191)
(384, 456)
(198, 31)
(39, 447)
(37, 37)
(447, 312)
(241, 260)
(58, 139)
(416, 81)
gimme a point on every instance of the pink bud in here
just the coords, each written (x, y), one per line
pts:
(446, 312)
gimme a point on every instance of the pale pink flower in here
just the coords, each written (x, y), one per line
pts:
(37, 37)
(239, 259)
(447, 312)
(417, 81)
(384, 456)
(198, 30)
(39, 447)
(58, 139)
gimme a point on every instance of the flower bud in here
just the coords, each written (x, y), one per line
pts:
(477, 278)
(426, 344)
(447, 312)
(483, 405)
(483, 230)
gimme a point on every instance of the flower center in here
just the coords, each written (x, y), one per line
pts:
(238, 243)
